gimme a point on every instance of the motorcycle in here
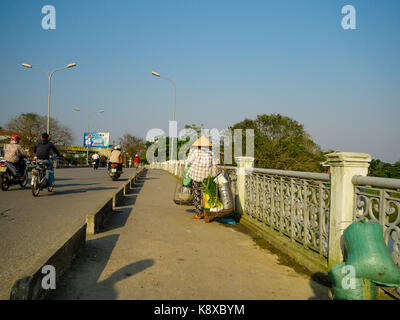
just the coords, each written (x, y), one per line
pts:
(114, 171)
(39, 177)
(95, 164)
(9, 175)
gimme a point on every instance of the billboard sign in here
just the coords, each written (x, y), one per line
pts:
(96, 139)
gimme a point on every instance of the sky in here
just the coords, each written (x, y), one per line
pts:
(230, 60)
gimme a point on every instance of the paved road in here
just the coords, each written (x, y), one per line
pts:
(153, 249)
(29, 226)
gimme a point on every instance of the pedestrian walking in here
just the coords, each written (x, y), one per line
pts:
(201, 164)
(136, 159)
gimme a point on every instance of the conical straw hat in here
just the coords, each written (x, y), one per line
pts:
(202, 142)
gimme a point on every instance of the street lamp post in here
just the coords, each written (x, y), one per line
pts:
(173, 115)
(49, 75)
(89, 115)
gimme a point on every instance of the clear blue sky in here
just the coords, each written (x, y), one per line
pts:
(230, 59)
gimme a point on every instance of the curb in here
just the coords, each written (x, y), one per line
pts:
(96, 220)
(29, 286)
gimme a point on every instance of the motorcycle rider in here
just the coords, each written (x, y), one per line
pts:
(15, 154)
(116, 157)
(96, 158)
(42, 150)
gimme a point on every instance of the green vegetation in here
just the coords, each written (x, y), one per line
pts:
(132, 145)
(282, 143)
(378, 168)
(209, 187)
(29, 126)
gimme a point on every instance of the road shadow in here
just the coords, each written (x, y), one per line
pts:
(123, 179)
(57, 192)
(82, 280)
(75, 185)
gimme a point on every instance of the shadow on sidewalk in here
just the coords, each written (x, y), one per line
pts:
(122, 212)
(82, 280)
(320, 285)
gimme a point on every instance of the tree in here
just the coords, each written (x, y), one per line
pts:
(195, 127)
(31, 125)
(378, 168)
(132, 145)
(282, 143)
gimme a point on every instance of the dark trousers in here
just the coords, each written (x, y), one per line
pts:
(197, 198)
(20, 166)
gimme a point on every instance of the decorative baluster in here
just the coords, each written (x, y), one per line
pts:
(292, 209)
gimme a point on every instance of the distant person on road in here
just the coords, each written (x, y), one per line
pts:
(42, 150)
(130, 162)
(14, 154)
(136, 159)
(96, 158)
(116, 157)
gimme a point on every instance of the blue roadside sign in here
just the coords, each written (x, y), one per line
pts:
(96, 139)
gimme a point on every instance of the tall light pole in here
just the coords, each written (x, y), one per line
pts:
(173, 115)
(49, 75)
(89, 115)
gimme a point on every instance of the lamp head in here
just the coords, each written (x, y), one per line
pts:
(155, 74)
(71, 65)
(27, 65)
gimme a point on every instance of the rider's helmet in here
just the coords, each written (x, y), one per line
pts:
(14, 139)
(117, 147)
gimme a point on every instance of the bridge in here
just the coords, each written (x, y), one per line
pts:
(129, 240)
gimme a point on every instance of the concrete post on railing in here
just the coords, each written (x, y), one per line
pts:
(243, 166)
(343, 166)
(176, 172)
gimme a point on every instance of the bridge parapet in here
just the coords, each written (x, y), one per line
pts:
(305, 213)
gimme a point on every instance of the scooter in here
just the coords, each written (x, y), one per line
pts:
(114, 171)
(9, 175)
(39, 178)
(95, 164)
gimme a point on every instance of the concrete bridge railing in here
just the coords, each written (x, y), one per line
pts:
(305, 213)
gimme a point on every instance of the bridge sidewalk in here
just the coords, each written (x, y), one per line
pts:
(153, 249)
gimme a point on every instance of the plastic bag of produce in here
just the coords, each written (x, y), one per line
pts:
(187, 181)
(369, 255)
(346, 288)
